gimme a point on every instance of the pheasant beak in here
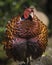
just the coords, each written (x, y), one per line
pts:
(32, 14)
(28, 12)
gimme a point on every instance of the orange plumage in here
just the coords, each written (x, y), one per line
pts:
(25, 38)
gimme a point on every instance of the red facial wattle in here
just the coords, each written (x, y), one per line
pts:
(27, 13)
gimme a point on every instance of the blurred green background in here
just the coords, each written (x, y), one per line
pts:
(11, 8)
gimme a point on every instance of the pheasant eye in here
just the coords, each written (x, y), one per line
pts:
(31, 10)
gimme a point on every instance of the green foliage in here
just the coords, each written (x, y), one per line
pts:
(2, 52)
(10, 8)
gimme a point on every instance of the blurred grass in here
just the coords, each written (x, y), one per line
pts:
(2, 52)
(2, 31)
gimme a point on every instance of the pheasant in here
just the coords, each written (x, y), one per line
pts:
(25, 37)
